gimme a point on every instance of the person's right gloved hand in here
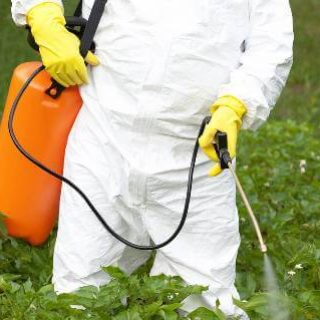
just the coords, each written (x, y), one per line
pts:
(227, 113)
(59, 48)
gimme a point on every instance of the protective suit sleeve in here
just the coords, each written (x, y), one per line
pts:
(266, 61)
(19, 9)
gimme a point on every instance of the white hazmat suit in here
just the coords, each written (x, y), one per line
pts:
(163, 63)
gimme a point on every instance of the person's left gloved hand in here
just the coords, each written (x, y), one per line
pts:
(227, 113)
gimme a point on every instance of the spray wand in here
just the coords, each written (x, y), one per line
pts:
(221, 146)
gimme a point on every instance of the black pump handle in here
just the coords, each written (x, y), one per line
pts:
(56, 89)
(86, 35)
(73, 21)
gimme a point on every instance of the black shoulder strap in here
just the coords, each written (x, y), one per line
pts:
(92, 25)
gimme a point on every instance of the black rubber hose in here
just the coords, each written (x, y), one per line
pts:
(83, 195)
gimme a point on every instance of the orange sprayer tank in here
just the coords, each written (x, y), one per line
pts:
(29, 196)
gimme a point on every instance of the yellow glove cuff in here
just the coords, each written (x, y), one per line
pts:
(231, 102)
(45, 12)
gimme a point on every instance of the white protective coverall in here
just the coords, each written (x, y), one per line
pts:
(163, 63)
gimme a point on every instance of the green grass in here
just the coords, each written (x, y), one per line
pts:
(285, 200)
(301, 98)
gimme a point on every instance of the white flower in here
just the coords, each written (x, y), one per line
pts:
(303, 163)
(124, 301)
(303, 166)
(77, 307)
(291, 273)
(298, 266)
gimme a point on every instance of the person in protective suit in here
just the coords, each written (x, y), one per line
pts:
(158, 69)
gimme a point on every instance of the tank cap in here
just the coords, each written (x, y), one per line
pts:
(55, 90)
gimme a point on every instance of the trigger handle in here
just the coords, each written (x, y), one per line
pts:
(221, 147)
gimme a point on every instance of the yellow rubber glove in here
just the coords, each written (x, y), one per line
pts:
(59, 48)
(227, 113)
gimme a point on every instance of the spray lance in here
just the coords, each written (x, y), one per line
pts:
(221, 146)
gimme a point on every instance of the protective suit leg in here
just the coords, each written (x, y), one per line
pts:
(205, 252)
(83, 246)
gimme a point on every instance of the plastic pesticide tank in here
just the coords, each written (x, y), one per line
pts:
(29, 197)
